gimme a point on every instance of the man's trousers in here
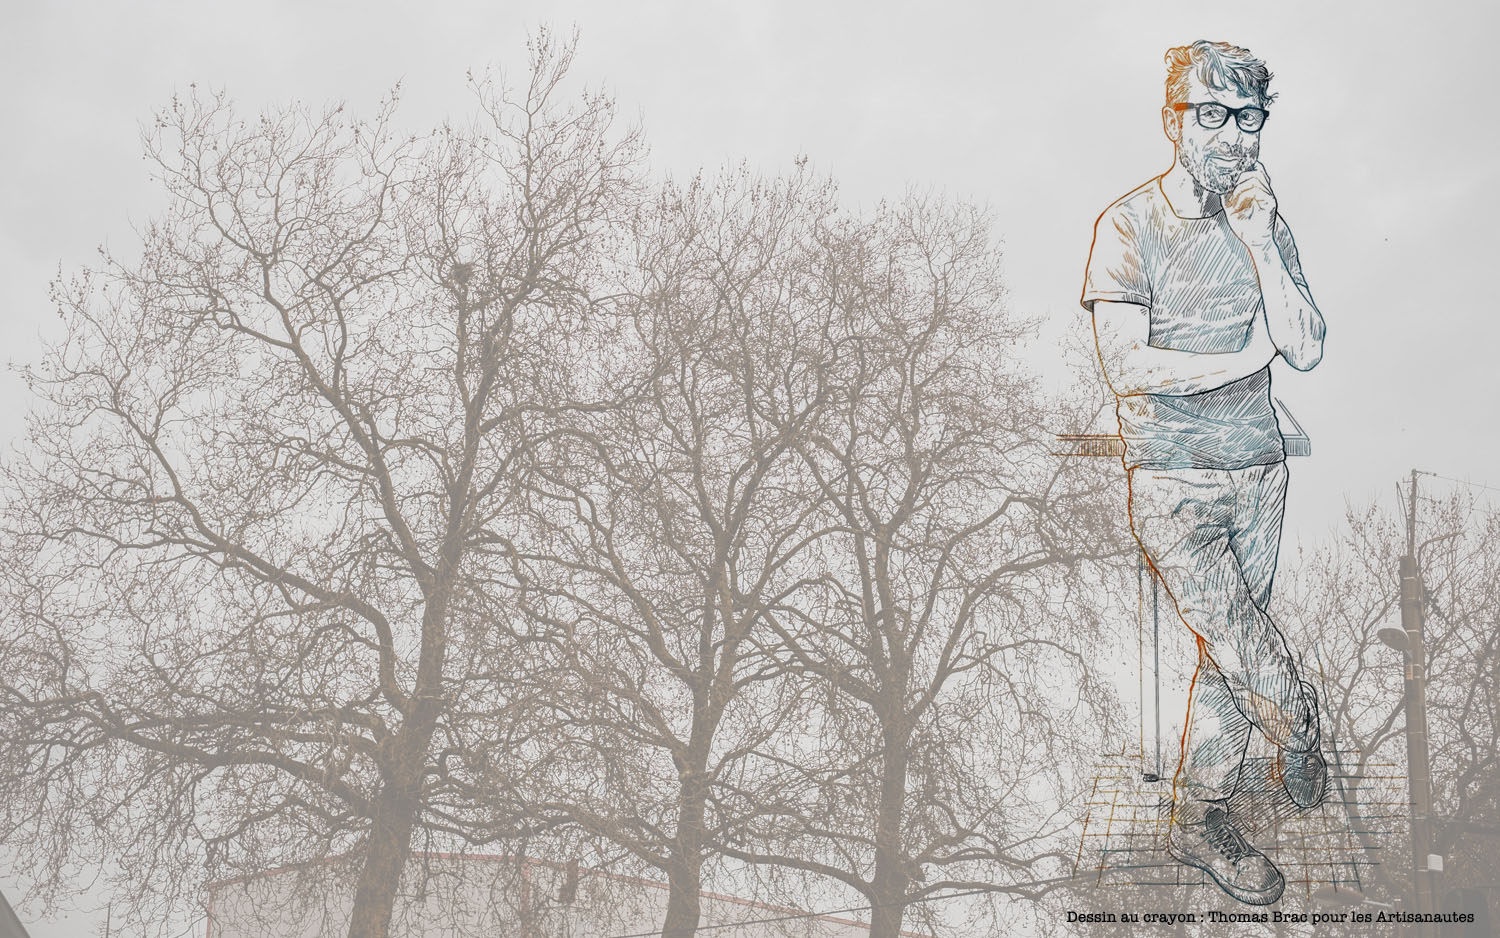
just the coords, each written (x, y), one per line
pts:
(1211, 536)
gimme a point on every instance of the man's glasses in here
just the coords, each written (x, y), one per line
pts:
(1212, 115)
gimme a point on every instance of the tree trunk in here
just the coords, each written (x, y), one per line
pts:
(685, 869)
(386, 852)
(389, 843)
(892, 875)
(683, 900)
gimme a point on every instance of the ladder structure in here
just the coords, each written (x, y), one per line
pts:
(1333, 847)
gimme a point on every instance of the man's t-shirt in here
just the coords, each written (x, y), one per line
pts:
(1199, 283)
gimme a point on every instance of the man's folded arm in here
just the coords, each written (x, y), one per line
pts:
(1132, 366)
(1294, 323)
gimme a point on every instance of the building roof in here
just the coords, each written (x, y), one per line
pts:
(10, 925)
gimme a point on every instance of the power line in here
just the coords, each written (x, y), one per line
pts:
(1477, 485)
(858, 908)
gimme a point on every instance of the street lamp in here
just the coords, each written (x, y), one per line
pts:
(1396, 638)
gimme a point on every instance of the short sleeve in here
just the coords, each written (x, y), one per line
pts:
(1115, 270)
(1288, 250)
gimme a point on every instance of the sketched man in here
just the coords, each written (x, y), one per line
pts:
(1195, 287)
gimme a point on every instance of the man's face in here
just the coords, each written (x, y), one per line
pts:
(1214, 157)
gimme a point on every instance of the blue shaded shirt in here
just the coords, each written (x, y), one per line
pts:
(1198, 282)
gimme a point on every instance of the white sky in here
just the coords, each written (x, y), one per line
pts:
(1382, 150)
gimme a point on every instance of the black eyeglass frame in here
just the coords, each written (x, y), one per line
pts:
(1229, 112)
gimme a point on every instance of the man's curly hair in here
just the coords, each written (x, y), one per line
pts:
(1219, 65)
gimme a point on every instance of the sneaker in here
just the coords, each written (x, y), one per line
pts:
(1216, 847)
(1305, 774)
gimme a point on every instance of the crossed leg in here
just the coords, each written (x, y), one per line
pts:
(1212, 537)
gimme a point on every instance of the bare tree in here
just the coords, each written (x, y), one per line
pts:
(943, 619)
(253, 610)
(677, 519)
(1342, 594)
(442, 491)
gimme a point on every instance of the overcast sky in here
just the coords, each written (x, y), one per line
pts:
(1382, 152)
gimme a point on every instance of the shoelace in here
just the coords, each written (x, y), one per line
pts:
(1223, 836)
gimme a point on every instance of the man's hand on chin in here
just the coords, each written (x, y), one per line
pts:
(1250, 207)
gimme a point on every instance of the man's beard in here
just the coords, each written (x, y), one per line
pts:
(1212, 175)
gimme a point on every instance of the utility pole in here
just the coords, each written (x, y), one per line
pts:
(1425, 865)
